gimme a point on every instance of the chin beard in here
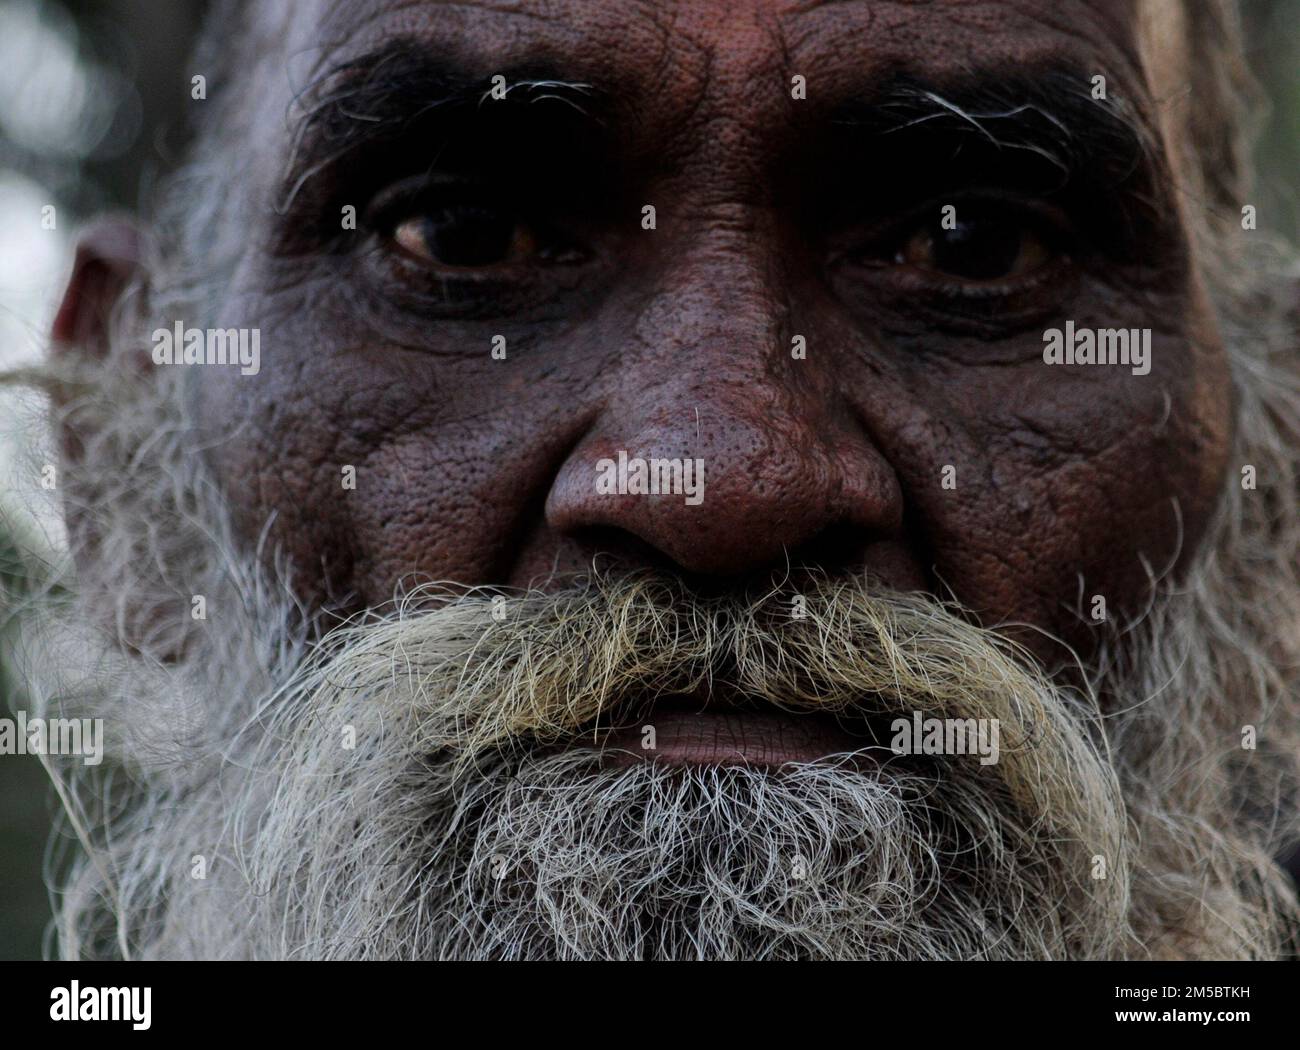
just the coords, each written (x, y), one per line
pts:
(555, 857)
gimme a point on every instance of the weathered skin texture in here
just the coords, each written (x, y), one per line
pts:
(676, 342)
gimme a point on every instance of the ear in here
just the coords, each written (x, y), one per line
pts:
(107, 264)
(108, 261)
(107, 277)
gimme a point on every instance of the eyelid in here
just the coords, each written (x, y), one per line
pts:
(397, 201)
(1053, 219)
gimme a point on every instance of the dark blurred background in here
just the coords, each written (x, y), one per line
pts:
(92, 97)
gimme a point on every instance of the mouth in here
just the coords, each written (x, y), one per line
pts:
(692, 731)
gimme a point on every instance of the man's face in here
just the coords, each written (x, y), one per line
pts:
(826, 266)
(860, 372)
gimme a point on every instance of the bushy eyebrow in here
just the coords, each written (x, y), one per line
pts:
(1049, 114)
(383, 94)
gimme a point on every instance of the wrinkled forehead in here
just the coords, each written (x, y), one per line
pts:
(668, 58)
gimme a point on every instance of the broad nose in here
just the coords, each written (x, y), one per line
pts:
(724, 448)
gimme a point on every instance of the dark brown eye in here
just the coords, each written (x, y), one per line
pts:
(466, 236)
(976, 246)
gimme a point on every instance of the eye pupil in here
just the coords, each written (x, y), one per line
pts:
(979, 249)
(468, 236)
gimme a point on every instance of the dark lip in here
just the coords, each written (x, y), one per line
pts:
(698, 730)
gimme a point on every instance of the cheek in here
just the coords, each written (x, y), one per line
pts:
(277, 457)
(378, 468)
(1074, 483)
(436, 504)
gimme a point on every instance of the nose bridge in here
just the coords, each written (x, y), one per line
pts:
(713, 376)
(715, 343)
(724, 287)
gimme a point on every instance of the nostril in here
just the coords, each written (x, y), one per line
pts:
(838, 547)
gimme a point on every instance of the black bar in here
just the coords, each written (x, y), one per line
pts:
(469, 1001)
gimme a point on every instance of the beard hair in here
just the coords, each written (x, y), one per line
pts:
(454, 828)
